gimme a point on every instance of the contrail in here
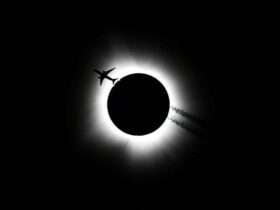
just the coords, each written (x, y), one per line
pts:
(189, 128)
(188, 116)
(191, 123)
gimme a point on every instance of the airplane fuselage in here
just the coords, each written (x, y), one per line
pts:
(107, 77)
(104, 74)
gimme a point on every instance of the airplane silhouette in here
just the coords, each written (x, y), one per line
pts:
(104, 74)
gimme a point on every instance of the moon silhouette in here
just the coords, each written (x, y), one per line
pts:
(138, 104)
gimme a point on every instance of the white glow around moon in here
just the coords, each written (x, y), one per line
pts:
(137, 146)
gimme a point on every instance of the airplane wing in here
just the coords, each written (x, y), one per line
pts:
(97, 71)
(108, 71)
(101, 80)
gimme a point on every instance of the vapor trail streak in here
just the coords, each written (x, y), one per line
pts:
(188, 116)
(187, 127)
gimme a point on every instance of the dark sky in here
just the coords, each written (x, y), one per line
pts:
(104, 168)
(62, 47)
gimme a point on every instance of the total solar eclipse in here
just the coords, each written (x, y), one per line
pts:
(138, 104)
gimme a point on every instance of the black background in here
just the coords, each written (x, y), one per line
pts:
(56, 46)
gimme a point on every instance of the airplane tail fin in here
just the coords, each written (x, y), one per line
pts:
(114, 80)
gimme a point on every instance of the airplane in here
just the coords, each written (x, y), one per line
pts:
(104, 74)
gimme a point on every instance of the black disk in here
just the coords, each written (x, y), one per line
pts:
(138, 104)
